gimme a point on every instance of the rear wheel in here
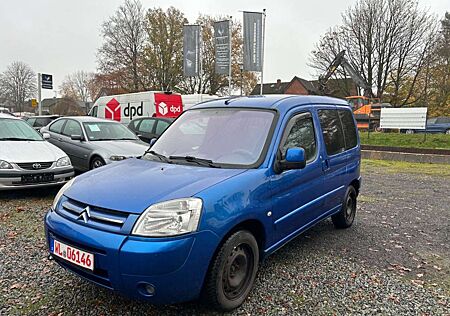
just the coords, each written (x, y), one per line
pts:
(346, 215)
(409, 131)
(447, 132)
(97, 162)
(233, 271)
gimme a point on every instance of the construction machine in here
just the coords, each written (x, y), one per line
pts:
(366, 108)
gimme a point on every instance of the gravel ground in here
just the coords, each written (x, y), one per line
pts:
(395, 260)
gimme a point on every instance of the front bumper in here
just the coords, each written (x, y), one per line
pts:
(11, 179)
(174, 267)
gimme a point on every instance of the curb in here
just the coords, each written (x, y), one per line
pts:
(402, 156)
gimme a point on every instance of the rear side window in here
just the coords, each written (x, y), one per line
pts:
(72, 128)
(31, 121)
(300, 133)
(57, 126)
(146, 126)
(348, 125)
(41, 122)
(161, 127)
(133, 124)
(333, 135)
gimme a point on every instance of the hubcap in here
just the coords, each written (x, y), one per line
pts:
(237, 271)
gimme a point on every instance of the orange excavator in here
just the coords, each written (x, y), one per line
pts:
(366, 108)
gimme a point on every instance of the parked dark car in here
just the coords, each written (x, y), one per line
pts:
(37, 122)
(439, 124)
(149, 127)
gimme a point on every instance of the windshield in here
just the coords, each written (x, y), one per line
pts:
(17, 130)
(107, 131)
(222, 136)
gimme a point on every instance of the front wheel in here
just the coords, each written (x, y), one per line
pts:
(233, 271)
(447, 132)
(346, 215)
(410, 131)
(97, 162)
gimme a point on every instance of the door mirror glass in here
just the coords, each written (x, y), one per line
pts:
(152, 141)
(46, 135)
(295, 159)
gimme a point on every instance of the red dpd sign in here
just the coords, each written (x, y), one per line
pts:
(113, 110)
(168, 105)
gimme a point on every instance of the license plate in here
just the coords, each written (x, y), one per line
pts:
(38, 178)
(76, 256)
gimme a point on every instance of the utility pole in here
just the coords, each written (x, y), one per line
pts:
(39, 94)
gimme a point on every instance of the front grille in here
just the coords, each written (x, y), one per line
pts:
(99, 276)
(35, 165)
(92, 216)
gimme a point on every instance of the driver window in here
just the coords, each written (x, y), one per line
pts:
(300, 133)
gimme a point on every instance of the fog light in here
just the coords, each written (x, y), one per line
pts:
(146, 289)
(150, 289)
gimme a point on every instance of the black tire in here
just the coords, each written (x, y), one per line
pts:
(346, 216)
(232, 272)
(96, 162)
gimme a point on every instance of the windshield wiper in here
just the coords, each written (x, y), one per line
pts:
(160, 156)
(199, 161)
(18, 139)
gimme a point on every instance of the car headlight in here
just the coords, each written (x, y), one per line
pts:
(117, 158)
(170, 218)
(61, 192)
(64, 161)
(5, 165)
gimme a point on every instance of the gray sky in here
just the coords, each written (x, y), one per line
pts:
(60, 37)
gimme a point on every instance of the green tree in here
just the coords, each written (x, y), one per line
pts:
(164, 48)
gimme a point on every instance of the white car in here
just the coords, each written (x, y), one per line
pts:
(27, 159)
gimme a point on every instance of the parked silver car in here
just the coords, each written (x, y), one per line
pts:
(92, 142)
(27, 160)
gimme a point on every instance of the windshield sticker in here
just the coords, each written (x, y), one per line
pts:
(94, 128)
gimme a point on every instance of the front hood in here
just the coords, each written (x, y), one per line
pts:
(133, 185)
(29, 151)
(128, 148)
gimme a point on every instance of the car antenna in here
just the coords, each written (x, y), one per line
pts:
(231, 98)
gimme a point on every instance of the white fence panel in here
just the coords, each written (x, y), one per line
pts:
(403, 118)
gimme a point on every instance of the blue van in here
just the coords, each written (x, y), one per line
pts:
(227, 184)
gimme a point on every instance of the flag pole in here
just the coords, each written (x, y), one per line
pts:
(230, 33)
(262, 50)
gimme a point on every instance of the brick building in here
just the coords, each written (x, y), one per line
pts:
(336, 87)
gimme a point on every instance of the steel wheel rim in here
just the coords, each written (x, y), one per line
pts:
(350, 209)
(237, 271)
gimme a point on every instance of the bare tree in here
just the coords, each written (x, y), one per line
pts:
(79, 86)
(388, 41)
(122, 51)
(18, 84)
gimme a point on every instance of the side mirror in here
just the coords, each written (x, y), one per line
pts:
(152, 141)
(76, 137)
(295, 159)
(46, 135)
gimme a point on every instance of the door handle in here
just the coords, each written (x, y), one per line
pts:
(325, 165)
